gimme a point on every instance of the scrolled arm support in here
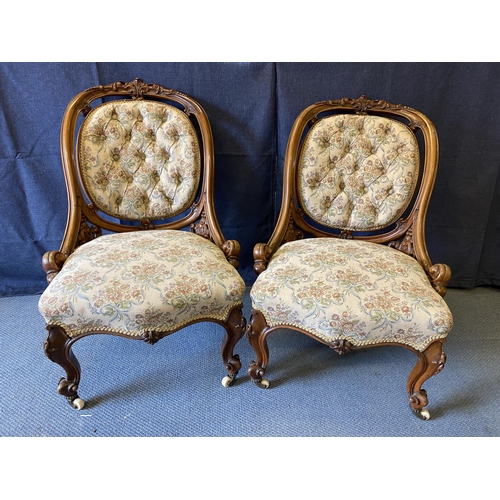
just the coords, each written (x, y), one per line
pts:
(52, 263)
(261, 254)
(440, 275)
(231, 249)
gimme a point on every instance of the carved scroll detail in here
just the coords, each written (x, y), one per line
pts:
(231, 249)
(405, 244)
(292, 232)
(146, 224)
(341, 346)
(87, 232)
(345, 235)
(201, 227)
(440, 363)
(261, 255)
(440, 275)
(151, 337)
(52, 263)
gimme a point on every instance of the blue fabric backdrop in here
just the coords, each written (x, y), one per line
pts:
(251, 107)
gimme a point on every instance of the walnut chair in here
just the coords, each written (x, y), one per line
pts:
(142, 255)
(347, 262)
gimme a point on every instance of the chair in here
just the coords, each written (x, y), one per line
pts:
(347, 262)
(143, 254)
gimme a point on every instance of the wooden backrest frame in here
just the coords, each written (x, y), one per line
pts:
(406, 235)
(84, 221)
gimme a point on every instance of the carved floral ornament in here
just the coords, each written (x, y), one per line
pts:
(137, 89)
(363, 104)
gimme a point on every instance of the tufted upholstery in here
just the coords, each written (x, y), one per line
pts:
(130, 283)
(139, 159)
(357, 172)
(341, 289)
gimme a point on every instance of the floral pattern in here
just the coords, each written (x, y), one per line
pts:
(357, 172)
(134, 282)
(139, 159)
(346, 289)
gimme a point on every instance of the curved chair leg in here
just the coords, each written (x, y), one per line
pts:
(235, 329)
(430, 362)
(58, 349)
(257, 331)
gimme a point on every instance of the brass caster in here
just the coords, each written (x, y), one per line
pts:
(228, 380)
(262, 383)
(423, 414)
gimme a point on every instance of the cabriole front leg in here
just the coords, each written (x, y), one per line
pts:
(430, 362)
(257, 331)
(58, 349)
(235, 329)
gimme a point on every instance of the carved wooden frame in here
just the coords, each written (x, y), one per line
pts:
(84, 221)
(406, 235)
(430, 361)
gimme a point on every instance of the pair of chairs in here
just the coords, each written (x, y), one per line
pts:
(143, 254)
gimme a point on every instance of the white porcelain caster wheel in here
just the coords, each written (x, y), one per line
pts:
(263, 383)
(78, 403)
(228, 380)
(424, 414)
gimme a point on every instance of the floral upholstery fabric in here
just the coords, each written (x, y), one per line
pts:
(357, 172)
(139, 159)
(353, 290)
(136, 282)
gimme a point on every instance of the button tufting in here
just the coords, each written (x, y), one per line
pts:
(369, 170)
(137, 159)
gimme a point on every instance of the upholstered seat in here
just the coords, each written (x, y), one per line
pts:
(132, 284)
(350, 290)
(143, 254)
(347, 262)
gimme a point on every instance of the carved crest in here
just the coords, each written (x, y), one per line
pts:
(363, 104)
(137, 89)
